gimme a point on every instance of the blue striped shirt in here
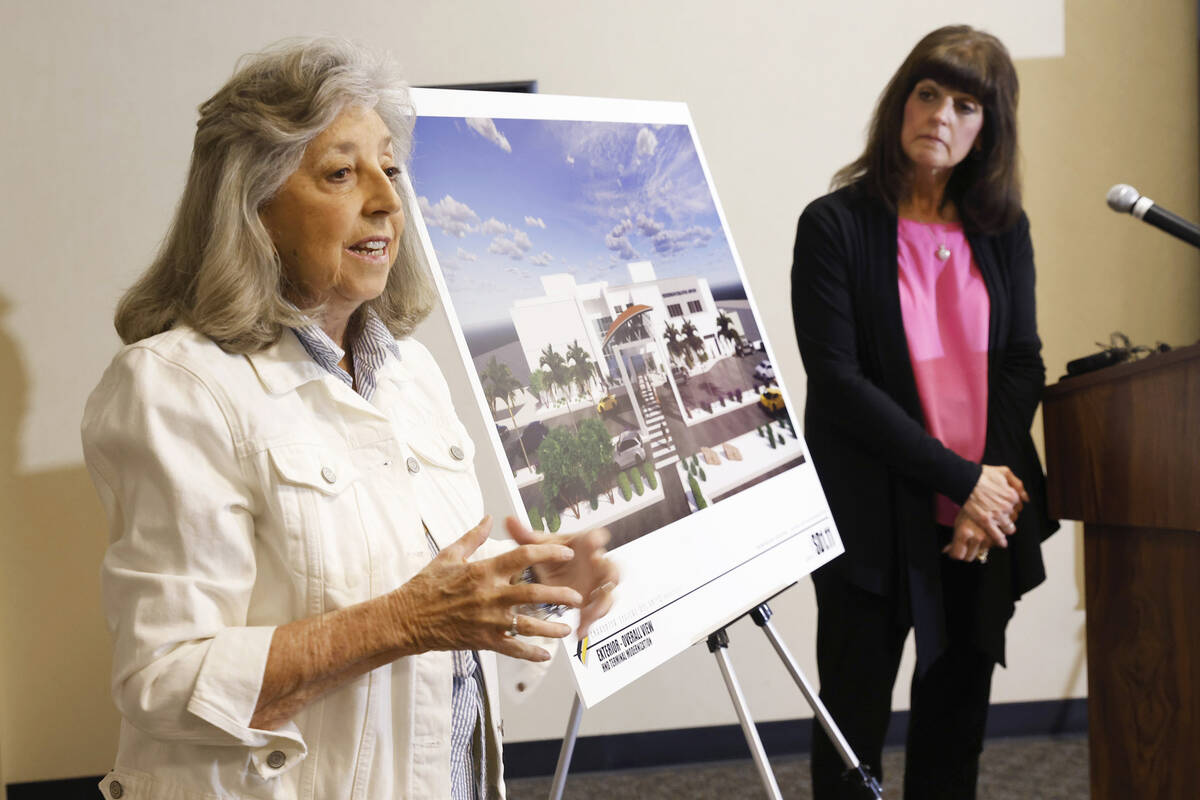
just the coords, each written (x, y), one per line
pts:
(368, 352)
(468, 754)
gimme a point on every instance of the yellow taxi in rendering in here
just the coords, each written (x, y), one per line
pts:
(771, 401)
(607, 403)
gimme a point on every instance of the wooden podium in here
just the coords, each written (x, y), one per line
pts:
(1123, 456)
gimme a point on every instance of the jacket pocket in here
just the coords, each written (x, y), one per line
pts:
(314, 467)
(316, 488)
(446, 450)
(128, 784)
(444, 444)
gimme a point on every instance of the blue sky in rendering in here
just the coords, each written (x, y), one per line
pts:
(509, 200)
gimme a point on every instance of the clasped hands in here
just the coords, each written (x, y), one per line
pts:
(458, 604)
(989, 516)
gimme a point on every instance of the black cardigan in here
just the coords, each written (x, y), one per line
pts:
(865, 428)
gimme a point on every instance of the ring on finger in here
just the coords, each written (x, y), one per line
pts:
(512, 629)
(982, 556)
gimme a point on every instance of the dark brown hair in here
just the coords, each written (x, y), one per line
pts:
(985, 187)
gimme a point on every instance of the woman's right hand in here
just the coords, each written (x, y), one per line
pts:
(994, 502)
(457, 604)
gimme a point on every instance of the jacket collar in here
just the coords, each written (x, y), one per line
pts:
(285, 365)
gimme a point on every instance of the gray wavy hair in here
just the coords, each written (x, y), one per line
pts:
(217, 269)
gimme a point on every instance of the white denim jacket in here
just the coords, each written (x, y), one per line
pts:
(244, 492)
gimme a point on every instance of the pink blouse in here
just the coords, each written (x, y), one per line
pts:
(946, 309)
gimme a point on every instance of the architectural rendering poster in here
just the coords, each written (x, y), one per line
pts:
(605, 321)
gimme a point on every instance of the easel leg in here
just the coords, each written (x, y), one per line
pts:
(568, 749)
(718, 643)
(762, 618)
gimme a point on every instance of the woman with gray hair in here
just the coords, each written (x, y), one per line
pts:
(301, 590)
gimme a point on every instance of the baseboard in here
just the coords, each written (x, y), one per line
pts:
(786, 737)
(680, 746)
(68, 789)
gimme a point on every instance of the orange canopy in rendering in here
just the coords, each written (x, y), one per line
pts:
(625, 316)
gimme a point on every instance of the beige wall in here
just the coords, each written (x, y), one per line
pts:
(96, 148)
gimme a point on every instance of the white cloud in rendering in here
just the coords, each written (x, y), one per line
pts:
(647, 143)
(493, 227)
(450, 216)
(618, 241)
(504, 247)
(622, 228)
(465, 255)
(647, 226)
(535, 222)
(541, 260)
(672, 241)
(487, 129)
(515, 247)
(521, 240)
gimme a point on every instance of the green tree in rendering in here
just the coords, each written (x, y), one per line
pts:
(594, 453)
(490, 390)
(558, 461)
(538, 384)
(672, 337)
(499, 383)
(692, 340)
(725, 329)
(582, 367)
(699, 497)
(556, 365)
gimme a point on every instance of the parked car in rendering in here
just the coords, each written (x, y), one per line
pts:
(745, 348)
(628, 449)
(607, 403)
(679, 374)
(765, 371)
(532, 436)
(771, 401)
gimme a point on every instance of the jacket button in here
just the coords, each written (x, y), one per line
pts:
(115, 790)
(276, 759)
(456, 452)
(413, 465)
(328, 474)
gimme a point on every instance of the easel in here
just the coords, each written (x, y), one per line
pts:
(718, 643)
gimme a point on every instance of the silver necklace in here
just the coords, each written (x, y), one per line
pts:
(942, 252)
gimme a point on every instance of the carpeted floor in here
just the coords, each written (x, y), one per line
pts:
(1011, 769)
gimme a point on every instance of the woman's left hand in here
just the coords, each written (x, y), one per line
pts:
(590, 572)
(973, 542)
(969, 540)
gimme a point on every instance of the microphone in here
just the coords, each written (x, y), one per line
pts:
(1124, 198)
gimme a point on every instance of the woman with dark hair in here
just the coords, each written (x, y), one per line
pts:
(913, 298)
(302, 594)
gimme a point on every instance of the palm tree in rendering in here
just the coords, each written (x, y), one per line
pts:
(491, 390)
(725, 329)
(500, 384)
(692, 341)
(556, 365)
(537, 384)
(671, 335)
(581, 366)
